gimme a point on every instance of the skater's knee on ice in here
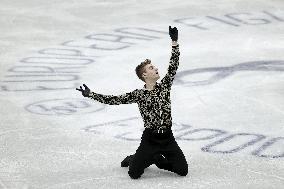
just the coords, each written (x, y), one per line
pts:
(183, 171)
(134, 175)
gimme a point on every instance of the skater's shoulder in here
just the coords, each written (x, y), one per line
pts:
(137, 91)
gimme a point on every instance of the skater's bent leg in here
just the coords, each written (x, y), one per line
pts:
(141, 160)
(162, 163)
(180, 167)
(138, 163)
(176, 161)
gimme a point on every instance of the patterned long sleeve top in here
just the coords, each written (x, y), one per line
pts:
(154, 105)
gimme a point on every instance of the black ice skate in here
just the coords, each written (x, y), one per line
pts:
(125, 162)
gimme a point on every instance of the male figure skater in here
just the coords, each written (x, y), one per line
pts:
(158, 145)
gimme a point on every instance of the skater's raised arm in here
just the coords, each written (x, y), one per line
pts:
(174, 60)
(127, 98)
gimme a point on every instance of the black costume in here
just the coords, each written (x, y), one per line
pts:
(157, 139)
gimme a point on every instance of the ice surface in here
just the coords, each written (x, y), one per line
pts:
(227, 97)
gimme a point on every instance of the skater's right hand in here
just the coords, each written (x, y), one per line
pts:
(86, 92)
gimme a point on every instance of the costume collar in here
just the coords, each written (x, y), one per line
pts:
(155, 86)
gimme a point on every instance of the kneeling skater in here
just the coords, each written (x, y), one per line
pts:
(158, 145)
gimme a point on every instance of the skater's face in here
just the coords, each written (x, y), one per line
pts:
(151, 72)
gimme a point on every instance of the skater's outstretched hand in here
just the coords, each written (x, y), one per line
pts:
(173, 32)
(85, 92)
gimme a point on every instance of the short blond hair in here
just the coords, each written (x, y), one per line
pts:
(140, 69)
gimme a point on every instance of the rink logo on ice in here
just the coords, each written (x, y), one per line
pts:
(236, 19)
(193, 77)
(219, 140)
(66, 106)
(59, 68)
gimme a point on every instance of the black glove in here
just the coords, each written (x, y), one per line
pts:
(85, 92)
(173, 33)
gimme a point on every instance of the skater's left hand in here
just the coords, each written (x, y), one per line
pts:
(173, 32)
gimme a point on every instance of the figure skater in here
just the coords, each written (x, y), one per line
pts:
(158, 145)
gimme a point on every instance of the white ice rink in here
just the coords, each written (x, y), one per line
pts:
(227, 97)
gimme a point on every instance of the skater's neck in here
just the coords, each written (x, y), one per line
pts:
(150, 85)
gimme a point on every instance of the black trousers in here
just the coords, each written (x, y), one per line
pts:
(158, 143)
